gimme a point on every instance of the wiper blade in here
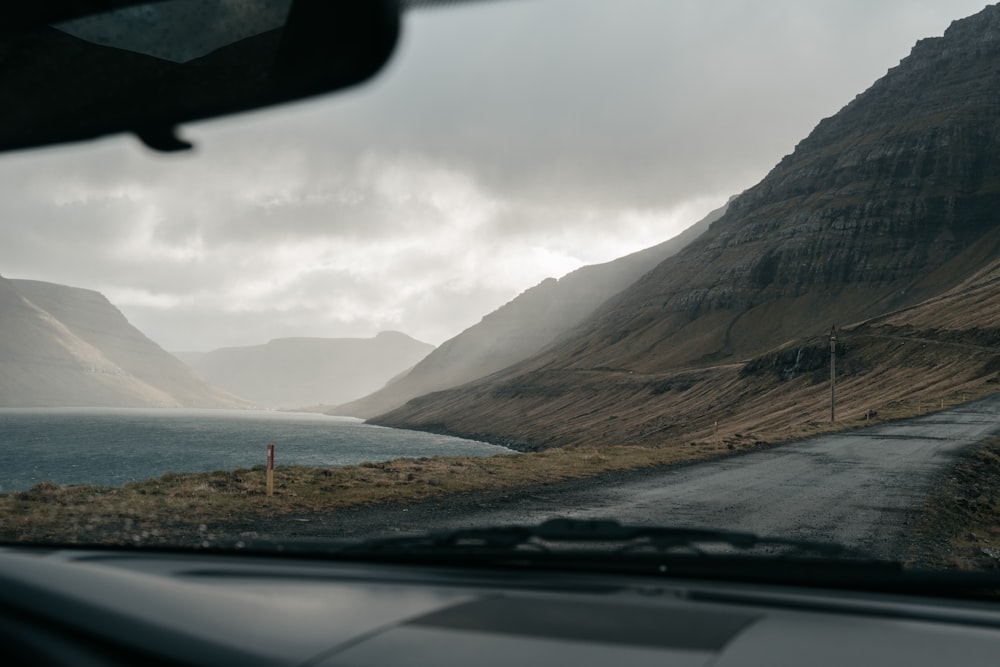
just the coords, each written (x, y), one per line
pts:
(594, 533)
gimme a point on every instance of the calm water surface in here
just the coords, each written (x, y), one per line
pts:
(113, 446)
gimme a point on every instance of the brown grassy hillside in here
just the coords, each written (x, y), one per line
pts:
(886, 215)
(523, 327)
(940, 352)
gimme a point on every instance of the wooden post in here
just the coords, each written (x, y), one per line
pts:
(833, 373)
(270, 470)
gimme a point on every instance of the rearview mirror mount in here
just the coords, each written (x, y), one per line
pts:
(109, 66)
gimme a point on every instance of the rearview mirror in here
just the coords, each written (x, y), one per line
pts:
(78, 70)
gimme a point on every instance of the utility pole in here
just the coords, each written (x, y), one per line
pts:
(833, 373)
(270, 470)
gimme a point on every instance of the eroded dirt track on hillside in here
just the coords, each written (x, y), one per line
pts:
(863, 489)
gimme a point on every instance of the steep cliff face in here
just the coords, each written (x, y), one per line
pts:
(880, 207)
(522, 327)
(65, 346)
(893, 200)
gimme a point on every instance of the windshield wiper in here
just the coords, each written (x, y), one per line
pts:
(591, 546)
(566, 546)
(600, 535)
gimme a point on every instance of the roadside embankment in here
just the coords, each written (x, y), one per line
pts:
(960, 521)
(199, 509)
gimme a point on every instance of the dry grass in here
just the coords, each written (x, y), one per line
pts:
(156, 510)
(900, 364)
(184, 507)
(590, 421)
(960, 523)
(880, 376)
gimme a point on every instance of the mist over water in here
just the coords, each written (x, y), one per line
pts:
(111, 447)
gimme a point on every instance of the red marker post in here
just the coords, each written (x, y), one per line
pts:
(270, 470)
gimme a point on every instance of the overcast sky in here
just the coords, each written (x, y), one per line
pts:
(505, 142)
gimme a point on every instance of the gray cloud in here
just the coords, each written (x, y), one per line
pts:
(506, 142)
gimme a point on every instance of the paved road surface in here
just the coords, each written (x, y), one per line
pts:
(860, 488)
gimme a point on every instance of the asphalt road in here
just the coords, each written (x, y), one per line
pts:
(860, 489)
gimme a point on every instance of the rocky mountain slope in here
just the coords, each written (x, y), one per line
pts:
(940, 352)
(522, 327)
(300, 372)
(889, 203)
(64, 346)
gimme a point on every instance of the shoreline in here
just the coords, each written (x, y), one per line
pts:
(396, 497)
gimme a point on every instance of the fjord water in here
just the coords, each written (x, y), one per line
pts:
(110, 447)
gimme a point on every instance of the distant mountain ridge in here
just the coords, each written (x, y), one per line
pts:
(523, 326)
(304, 372)
(892, 201)
(69, 347)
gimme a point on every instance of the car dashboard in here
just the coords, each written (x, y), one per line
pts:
(96, 607)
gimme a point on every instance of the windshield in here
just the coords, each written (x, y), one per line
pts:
(721, 265)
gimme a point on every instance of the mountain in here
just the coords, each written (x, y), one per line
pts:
(889, 203)
(298, 372)
(65, 346)
(190, 357)
(523, 326)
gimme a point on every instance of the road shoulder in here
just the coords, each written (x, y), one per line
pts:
(959, 527)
